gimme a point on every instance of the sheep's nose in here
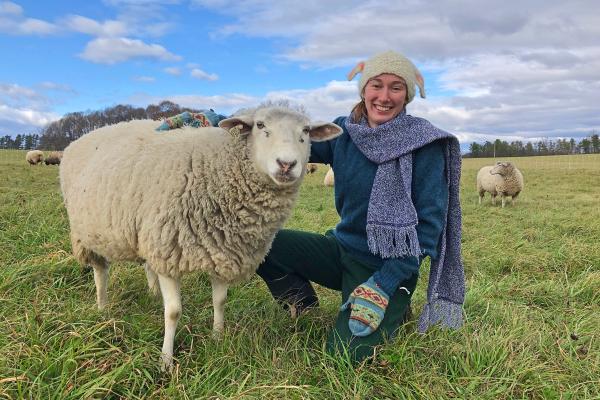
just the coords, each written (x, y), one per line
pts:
(285, 166)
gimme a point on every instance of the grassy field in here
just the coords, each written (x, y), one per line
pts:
(532, 310)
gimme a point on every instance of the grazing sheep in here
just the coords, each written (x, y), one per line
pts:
(200, 199)
(312, 168)
(503, 179)
(34, 157)
(329, 178)
(53, 158)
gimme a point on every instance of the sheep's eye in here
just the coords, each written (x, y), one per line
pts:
(306, 130)
(260, 124)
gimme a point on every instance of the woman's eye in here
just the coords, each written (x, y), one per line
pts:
(260, 124)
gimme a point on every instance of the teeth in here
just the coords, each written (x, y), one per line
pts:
(382, 108)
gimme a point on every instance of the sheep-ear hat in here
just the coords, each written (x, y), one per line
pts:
(389, 62)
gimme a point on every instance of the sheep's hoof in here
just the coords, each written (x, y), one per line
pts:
(217, 333)
(166, 363)
(294, 314)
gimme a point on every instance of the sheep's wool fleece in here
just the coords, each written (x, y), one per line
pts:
(509, 184)
(182, 201)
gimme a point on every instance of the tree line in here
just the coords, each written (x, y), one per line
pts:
(23, 142)
(501, 148)
(58, 134)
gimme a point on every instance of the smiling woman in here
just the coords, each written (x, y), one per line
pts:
(396, 192)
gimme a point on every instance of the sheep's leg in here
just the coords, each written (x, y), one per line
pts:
(503, 200)
(480, 197)
(219, 295)
(152, 278)
(171, 293)
(101, 268)
(514, 198)
(493, 199)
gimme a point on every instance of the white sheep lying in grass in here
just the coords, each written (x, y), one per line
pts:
(502, 179)
(34, 157)
(190, 199)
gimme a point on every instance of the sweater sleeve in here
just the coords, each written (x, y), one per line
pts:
(430, 198)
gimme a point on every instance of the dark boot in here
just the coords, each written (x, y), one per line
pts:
(291, 291)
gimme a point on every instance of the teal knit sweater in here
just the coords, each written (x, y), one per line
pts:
(354, 175)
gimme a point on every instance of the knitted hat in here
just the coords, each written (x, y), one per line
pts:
(390, 62)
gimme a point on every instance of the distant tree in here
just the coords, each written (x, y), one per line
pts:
(529, 150)
(475, 149)
(585, 146)
(595, 143)
(573, 146)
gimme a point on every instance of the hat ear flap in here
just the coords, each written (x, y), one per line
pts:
(420, 83)
(359, 68)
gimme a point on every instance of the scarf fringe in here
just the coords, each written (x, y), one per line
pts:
(393, 242)
(443, 312)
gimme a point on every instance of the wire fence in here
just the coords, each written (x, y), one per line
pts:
(588, 163)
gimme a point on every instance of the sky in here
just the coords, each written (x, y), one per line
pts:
(527, 70)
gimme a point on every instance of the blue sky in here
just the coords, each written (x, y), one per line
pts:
(491, 70)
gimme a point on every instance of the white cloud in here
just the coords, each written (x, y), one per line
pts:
(57, 87)
(110, 28)
(146, 79)
(173, 71)
(23, 110)
(17, 92)
(200, 74)
(114, 50)
(13, 22)
(9, 8)
(25, 120)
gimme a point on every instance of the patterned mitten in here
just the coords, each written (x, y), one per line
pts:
(196, 120)
(368, 303)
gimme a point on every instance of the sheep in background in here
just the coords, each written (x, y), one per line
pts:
(34, 157)
(502, 179)
(311, 168)
(329, 178)
(199, 199)
(53, 158)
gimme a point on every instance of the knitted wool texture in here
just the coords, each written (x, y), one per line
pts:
(392, 218)
(390, 62)
(368, 303)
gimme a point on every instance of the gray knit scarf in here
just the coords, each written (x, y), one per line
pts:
(392, 218)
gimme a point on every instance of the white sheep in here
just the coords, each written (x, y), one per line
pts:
(34, 157)
(311, 168)
(329, 178)
(502, 179)
(53, 158)
(190, 199)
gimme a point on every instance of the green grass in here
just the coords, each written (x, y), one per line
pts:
(532, 308)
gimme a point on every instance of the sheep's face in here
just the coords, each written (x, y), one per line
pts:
(279, 141)
(502, 168)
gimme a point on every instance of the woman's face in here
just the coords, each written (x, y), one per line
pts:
(385, 97)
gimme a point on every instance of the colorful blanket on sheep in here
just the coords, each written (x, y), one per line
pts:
(196, 120)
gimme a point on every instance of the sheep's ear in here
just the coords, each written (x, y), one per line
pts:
(237, 125)
(321, 131)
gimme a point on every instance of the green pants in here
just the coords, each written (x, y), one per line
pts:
(298, 258)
